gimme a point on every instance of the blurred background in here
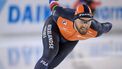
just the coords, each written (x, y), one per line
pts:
(21, 23)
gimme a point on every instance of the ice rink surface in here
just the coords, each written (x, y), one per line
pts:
(22, 52)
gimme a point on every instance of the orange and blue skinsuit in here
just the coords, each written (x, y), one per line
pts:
(59, 36)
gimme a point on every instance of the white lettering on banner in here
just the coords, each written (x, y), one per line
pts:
(49, 33)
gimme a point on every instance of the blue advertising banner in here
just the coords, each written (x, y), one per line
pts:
(31, 15)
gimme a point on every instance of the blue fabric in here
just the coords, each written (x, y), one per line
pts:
(51, 1)
(81, 0)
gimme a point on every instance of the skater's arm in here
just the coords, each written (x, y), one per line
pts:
(101, 27)
(59, 11)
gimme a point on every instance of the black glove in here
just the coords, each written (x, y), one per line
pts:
(107, 26)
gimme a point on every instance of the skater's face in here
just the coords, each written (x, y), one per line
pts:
(82, 25)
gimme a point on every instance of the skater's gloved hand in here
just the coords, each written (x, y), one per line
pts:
(107, 26)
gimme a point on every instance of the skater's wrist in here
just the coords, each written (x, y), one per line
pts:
(53, 5)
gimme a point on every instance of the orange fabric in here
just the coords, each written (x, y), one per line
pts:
(79, 9)
(67, 30)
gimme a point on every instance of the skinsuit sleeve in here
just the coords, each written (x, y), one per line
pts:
(58, 11)
(101, 27)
